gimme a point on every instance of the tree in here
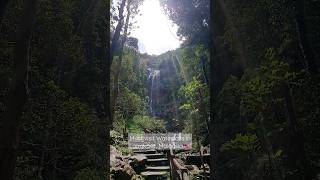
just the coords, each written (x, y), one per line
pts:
(17, 95)
(65, 62)
(116, 35)
(132, 10)
(302, 31)
(192, 18)
(106, 118)
(118, 66)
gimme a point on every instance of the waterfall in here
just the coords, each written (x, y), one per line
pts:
(154, 79)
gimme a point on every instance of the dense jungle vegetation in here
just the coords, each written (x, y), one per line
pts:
(265, 89)
(245, 82)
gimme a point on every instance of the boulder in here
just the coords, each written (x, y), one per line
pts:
(119, 165)
(206, 167)
(193, 169)
(138, 159)
(122, 170)
(206, 150)
(114, 155)
(138, 162)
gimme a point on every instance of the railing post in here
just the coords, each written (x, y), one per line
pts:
(185, 175)
(171, 163)
(176, 170)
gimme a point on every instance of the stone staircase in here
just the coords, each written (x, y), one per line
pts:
(157, 165)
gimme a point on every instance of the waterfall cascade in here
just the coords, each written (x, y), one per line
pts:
(154, 90)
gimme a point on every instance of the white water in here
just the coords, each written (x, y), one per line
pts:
(154, 77)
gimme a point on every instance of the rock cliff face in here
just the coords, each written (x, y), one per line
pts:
(164, 83)
(125, 167)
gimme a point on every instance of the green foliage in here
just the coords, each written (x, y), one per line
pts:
(266, 101)
(241, 150)
(87, 174)
(191, 89)
(192, 18)
(241, 144)
(129, 103)
(256, 103)
(133, 72)
(228, 100)
(62, 128)
(119, 123)
(61, 118)
(185, 107)
(254, 22)
(265, 81)
(146, 124)
(195, 96)
(263, 84)
(120, 142)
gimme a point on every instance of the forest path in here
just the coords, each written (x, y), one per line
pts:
(157, 166)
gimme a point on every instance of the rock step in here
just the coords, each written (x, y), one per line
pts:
(203, 176)
(158, 162)
(144, 151)
(154, 156)
(155, 175)
(158, 168)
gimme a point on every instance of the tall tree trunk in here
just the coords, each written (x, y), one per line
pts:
(211, 89)
(105, 122)
(17, 94)
(116, 36)
(204, 70)
(296, 136)
(218, 54)
(304, 43)
(118, 67)
(85, 17)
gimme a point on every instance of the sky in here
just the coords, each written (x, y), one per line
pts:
(155, 32)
